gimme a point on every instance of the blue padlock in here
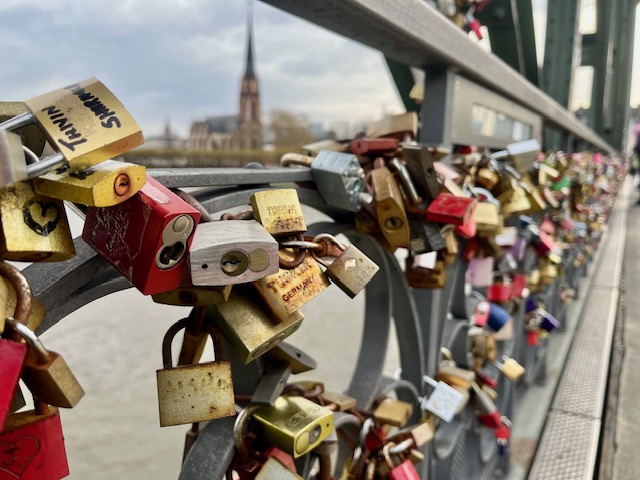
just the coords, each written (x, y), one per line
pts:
(498, 317)
(548, 322)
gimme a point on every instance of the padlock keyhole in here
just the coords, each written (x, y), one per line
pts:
(234, 263)
(172, 253)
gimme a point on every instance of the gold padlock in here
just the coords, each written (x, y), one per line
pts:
(487, 178)
(514, 201)
(419, 277)
(279, 211)
(453, 376)
(342, 401)
(401, 126)
(288, 290)
(248, 327)
(510, 368)
(189, 295)
(392, 218)
(8, 300)
(294, 424)
(391, 411)
(193, 393)
(33, 227)
(103, 185)
(46, 373)
(487, 218)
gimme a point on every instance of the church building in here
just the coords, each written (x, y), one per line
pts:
(234, 132)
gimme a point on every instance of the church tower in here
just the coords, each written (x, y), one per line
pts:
(250, 127)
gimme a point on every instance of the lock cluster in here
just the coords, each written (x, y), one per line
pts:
(499, 233)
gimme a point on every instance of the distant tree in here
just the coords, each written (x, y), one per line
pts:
(289, 130)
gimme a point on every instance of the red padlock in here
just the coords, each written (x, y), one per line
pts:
(447, 208)
(468, 230)
(545, 244)
(32, 446)
(373, 146)
(282, 456)
(532, 338)
(146, 238)
(499, 293)
(13, 353)
(481, 314)
(518, 284)
(491, 420)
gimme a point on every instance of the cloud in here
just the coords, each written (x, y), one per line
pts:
(183, 60)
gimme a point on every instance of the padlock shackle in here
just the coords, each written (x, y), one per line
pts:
(23, 291)
(31, 338)
(240, 430)
(296, 159)
(19, 121)
(167, 361)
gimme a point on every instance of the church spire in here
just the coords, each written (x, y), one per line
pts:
(249, 71)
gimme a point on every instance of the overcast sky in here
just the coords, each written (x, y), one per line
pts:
(183, 59)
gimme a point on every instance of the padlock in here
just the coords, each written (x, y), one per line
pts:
(12, 351)
(447, 208)
(390, 212)
(189, 295)
(84, 121)
(352, 270)
(499, 292)
(401, 127)
(294, 424)
(548, 322)
(420, 277)
(247, 326)
(425, 236)
(103, 185)
(498, 317)
(514, 201)
(279, 211)
(391, 411)
(8, 304)
(455, 376)
(373, 146)
(419, 161)
(484, 346)
(342, 401)
(30, 136)
(145, 238)
(32, 445)
(230, 252)
(518, 285)
(46, 373)
(487, 219)
(487, 178)
(33, 227)
(274, 469)
(193, 393)
(445, 400)
(288, 290)
(403, 471)
(480, 315)
(487, 412)
(480, 271)
(339, 179)
(13, 163)
(510, 368)
(533, 195)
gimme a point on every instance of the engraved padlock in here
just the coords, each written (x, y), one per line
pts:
(32, 445)
(33, 227)
(194, 393)
(13, 163)
(402, 127)
(247, 325)
(103, 185)
(294, 424)
(84, 121)
(46, 373)
(145, 238)
(279, 211)
(352, 270)
(288, 290)
(230, 252)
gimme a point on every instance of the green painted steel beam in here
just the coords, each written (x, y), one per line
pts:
(510, 25)
(403, 78)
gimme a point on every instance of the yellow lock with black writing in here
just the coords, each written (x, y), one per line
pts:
(33, 227)
(86, 123)
(279, 211)
(247, 326)
(390, 211)
(294, 424)
(103, 185)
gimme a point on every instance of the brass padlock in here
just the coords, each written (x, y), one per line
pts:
(189, 295)
(420, 277)
(33, 227)
(294, 424)
(247, 325)
(232, 252)
(510, 368)
(392, 218)
(487, 218)
(391, 411)
(484, 346)
(8, 301)
(103, 185)
(515, 201)
(193, 393)
(487, 178)
(402, 127)
(342, 401)
(455, 376)
(352, 270)
(279, 211)
(46, 373)
(288, 290)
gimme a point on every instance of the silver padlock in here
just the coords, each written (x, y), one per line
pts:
(230, 252)
(339, 178)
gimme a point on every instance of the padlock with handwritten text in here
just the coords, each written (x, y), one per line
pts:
(279, 211)
(145, 238)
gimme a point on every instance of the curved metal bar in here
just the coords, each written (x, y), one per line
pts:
(211, 455)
